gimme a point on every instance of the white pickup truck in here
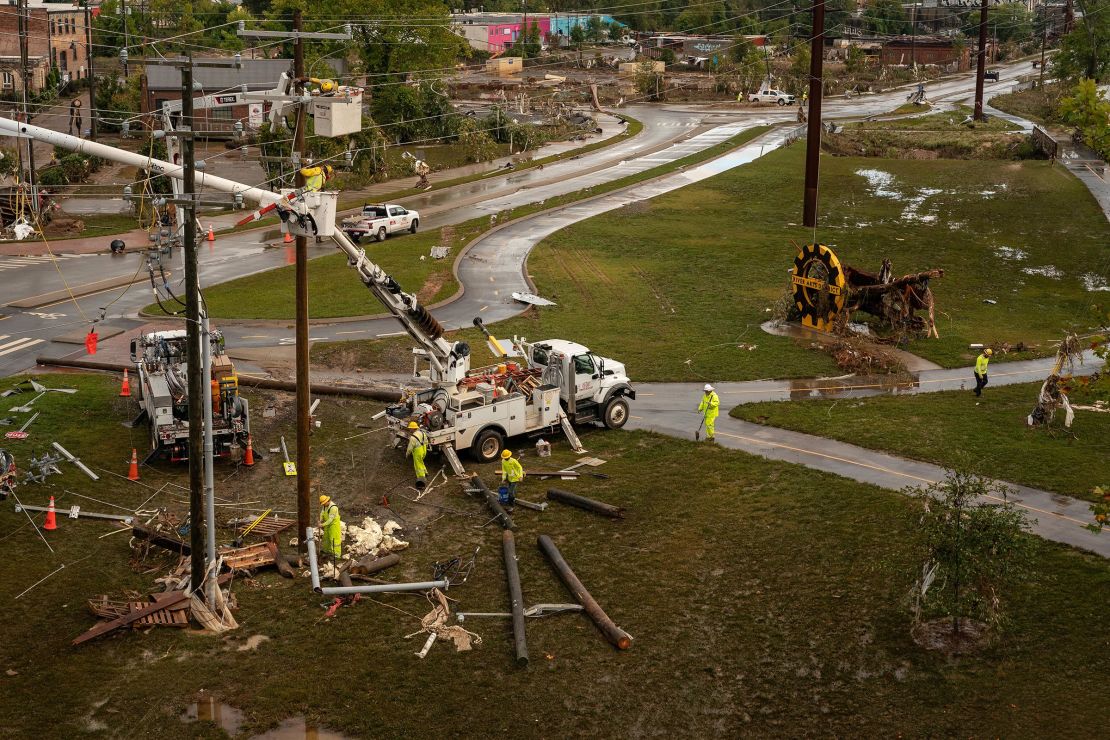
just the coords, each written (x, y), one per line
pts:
(379, 220)
(770, 95)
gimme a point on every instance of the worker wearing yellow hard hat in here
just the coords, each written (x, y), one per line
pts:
(315, 177)
(418, 448)
(981, 363)
(330, 529)
(512, 473)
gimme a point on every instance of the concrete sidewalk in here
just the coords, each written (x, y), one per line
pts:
(670, 408)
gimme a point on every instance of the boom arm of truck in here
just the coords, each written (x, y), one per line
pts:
(449, 361)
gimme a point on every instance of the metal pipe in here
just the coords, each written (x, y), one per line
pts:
(76, 461)
(383, 588)
(76, 514)
(310, 545)
(614, 634)
(516, 597)
(209, 472)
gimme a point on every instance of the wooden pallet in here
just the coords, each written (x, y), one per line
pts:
(249, 557)
(169, 617)
(269, 526)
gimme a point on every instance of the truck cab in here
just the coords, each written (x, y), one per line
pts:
(591, 387)
(380, 220)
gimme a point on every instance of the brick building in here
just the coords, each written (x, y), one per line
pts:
(943, 52)
(38, 49)
(68, 49)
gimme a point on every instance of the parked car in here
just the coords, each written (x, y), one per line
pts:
(770, 95)
(991, 75)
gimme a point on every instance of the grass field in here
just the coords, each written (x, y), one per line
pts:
(269, 295)
(1039, 105)
(704, 285)
(948, 429)
(765, 600)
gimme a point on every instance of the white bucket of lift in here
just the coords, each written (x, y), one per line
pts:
(321, 205)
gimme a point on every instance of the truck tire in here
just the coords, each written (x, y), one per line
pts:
(782, 101)
(488, 445)
(414, 225)
(615, 415)
(382, 233)
(356, 238)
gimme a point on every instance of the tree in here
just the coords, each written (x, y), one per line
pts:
(1011, 22)
(1085, 52)
(971, 551)
(1089, 111)
(116, 100)
(649, 83)
(595, 29)
(741, 47)
(855, 59)
(885, 17)
(667, 56)
(577, 34)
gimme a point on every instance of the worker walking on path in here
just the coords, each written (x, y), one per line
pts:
(331, 544)
(511, 473)
(418, 448)
(981, 363)
(709, 408)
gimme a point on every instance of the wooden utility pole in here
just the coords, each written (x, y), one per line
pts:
(304, 425)
(981, 63)
(127, 37)
(813, 133)
(193, 336)
(1044, 41)
(89, 54)
(25, 72)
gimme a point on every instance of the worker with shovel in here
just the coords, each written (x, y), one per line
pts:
(418, 448)
(709, 408)
(330, 527)
(511, 473)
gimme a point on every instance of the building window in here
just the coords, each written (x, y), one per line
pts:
(62, 61)
(221, 114)
(9, 79)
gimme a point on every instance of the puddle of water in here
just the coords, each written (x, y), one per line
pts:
(296, 729)
(207, 709)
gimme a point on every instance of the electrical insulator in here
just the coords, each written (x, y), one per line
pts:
(126, 128)
(200, 165)
(159, 202)
(238, 130)
(158, 133)
(350, 157)
(127, 192)
(347, 28)
(242, 26)
(238, 61)
(123, 55)
(238, 200)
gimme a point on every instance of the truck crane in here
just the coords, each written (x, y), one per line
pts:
(557, 384)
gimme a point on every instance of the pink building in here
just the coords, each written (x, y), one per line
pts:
(495, 32)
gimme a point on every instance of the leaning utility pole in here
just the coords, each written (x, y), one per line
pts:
(193, 337)
(813, 133)
(89, 54)
(981, 63)
(304, 422)
(24, 26)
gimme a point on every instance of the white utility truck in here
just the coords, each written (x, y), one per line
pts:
(379, 220)
(160, 359)
(767, 94)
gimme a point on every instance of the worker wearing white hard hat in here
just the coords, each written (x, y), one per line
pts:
(709, 408)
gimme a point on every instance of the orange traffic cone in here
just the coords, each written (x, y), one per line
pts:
(133, 473)
(211, 233)
(51, 519)
(125, 389)
(249, 459)
(288, 238)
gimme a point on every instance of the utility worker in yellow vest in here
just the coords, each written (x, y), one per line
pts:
(981, 363)
(315, 177)
(709, 408)
(511, 473)
(331, 542)
(418, 448)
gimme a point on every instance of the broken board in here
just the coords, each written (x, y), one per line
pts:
(533, 299)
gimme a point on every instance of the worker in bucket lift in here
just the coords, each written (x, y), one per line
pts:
(709, 408)
(331, 542)
(981, 363)
(315, 177)
(418, 448)
(511, 473)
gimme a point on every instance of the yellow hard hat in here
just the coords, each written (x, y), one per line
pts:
(506, 454)
(324, 500)
(413, 425)
(988, 352)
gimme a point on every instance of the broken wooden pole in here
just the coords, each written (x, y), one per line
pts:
(589, 504)
(370, 564)
(516, 597)
(493, 503)
(157, 538)
(614, 634)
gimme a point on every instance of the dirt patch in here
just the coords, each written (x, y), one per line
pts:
(432, 286)
(941, 635)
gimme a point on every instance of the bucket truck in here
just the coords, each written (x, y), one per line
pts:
(557, 383)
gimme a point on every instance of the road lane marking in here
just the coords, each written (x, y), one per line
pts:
(257, 336)
(19, 344)
(356, 331)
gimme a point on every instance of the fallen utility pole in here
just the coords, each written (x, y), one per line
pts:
(76, 461)
(76, 513)
(589, 504)
(491, 501)
(981, 63)
(813, 132)
(370, 565)
(614, 634)
(516, 597)
(160, 540)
